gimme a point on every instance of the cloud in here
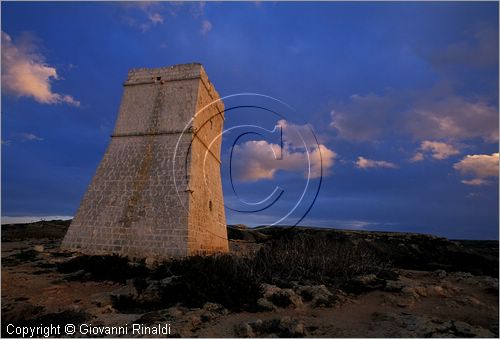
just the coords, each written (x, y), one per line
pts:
(454, 118)
(206, 26)
(197, 9)
(458, 107)
(23, 137)
(145, 15)
(428, 115)
(480, 167)
(25, 74)
(30, 137)
(364, 118)
(438, 150)
(256, 160)
(300, 136)
(368, 163)
(419, 156)
(152, 20)
(155, 18)
(150, 14)
(322, 156)
(475, 182)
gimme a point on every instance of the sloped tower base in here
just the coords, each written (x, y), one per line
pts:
(157, 192)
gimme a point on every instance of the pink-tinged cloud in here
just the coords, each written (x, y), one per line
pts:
(257, 159)
(455, 118)
(419, 156)
(479, 166)
(437, 150)
(475, 182)
(369, 163)
(25, 74)
(372, 117)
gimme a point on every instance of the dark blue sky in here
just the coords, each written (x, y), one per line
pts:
(403, 98)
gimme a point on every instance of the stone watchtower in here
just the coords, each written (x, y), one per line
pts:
(157, 192)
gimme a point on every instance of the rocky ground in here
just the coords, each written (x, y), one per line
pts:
(435, 288)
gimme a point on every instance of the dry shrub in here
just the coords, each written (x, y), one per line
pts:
(223, 279)
(231, 280)
(103, 267)
(315, 259)
(234, 281)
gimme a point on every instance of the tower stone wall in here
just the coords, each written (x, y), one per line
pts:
(157, 192)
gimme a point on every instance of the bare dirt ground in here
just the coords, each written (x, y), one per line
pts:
(416, 303)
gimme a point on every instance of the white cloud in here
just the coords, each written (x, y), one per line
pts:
(25, 74)
(368, 163)
(438, 150)
(206, 26)
(30, 137)
(479, 166)
(255, 160)
(259, 159)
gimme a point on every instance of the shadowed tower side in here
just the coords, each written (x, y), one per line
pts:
(157, 192)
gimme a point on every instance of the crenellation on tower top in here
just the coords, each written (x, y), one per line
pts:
(172, 73)
(183, 72)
